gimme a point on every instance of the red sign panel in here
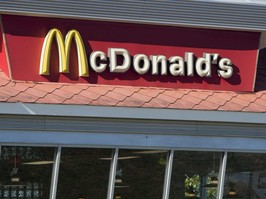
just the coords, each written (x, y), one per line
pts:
(95, 52)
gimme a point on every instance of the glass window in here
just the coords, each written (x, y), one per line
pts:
(84, 173)
(194, 175)
(140, 174)
(25, 172)
(245, 176)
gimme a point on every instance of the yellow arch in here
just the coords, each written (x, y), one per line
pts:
(82, 56)
(64, 52)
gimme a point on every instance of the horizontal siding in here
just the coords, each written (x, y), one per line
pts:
(167, 12)
(106, 126)
(123, 133)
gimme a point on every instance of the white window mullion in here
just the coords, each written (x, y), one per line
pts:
(168, 174)
(111, 184)
(222, 176)
(55, 173)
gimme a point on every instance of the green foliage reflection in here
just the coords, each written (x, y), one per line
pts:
(192, 186)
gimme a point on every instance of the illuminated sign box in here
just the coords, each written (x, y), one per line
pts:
(94, 52)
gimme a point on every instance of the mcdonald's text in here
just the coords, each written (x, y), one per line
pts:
(160, 65)
(142, 64)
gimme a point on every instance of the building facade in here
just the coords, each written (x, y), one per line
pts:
(132, 99)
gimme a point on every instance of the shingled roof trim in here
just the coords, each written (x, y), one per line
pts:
(127, 96)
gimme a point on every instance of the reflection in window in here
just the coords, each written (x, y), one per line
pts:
(84, 173)
(245, 176)
(25, 172)
(140, 174)
(195, 175)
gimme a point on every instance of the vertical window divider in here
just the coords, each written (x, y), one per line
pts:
(55, 173)
(222, 176)
(111, 183)
(168, 174)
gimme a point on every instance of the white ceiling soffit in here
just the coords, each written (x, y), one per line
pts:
(223, 14)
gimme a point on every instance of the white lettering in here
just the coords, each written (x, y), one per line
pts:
(225, 65)
(120, 61)
(177, 66)
(146, 64)
(93, 57)
(113, 53)
(189, 57)
(203, 65)
(156, 60)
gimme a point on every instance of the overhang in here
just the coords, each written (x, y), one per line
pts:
(211, 14)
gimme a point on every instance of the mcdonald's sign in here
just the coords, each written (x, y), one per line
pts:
(156, 63)
(152, 56)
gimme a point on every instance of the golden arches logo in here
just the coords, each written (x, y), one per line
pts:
(64, 52)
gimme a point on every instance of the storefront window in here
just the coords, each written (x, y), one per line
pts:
(245, 176)
(140, 174)
(25, 172)
(84, 173)
(195, 175)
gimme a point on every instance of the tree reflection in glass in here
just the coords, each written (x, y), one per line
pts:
(195, 175)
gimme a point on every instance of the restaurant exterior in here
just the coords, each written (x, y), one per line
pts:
(132, 99)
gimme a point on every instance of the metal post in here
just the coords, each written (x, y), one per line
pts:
(222, 176)
(55, 173)
(111, 184)
(168, 174)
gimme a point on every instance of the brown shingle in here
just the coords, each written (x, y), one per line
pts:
(51, 99)
(126, 90)
(182, 104)
(48, 88)
(209, 105)
(24, 97)
(131, 102)
(150, 92)
(158, 103)
(231, 106)
(177, 94)
(117, 96)
(254, 108)
(191, 99)
(220, 98)
(166, 98)
(36, 92)
(100, 90)
(128, 96)
(88, 94)
(78, 99)
(105, 100)
(72, 89)
(63, 93)
(141, 97)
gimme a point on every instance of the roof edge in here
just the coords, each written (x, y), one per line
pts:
(236, 16)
